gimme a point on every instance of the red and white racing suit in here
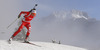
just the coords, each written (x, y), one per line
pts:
(28, 16)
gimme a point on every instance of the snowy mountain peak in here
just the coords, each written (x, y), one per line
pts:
(44, 46)
(75, 14)
(61, 14)
(79, 14)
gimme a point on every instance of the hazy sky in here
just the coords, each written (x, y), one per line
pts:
(90, 6)
(48, 6)
(10, 9)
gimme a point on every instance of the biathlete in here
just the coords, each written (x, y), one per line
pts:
(28, 16)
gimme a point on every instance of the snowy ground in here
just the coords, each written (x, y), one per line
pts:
(45, 46)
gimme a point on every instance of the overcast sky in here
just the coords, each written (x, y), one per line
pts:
(48, 6)
(10, 9)
(90, 6)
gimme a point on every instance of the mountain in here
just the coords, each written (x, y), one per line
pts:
(73, 27)
(79, 14)
(65, 15)
(76, 30)
(44, 46)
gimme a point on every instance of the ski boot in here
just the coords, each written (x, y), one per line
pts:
(26, 41)
(10, 40)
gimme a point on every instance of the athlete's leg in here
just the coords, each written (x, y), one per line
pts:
(19, 29)
(28, 26)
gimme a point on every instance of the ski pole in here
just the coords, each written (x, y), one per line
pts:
(12, 23)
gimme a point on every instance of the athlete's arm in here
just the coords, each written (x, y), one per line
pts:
(22, 12)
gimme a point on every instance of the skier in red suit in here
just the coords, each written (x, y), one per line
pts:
(28, 16)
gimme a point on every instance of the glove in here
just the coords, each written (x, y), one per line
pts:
(18, 16)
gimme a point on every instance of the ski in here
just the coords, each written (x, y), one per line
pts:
(32, 44)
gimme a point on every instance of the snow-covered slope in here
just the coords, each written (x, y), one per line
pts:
(45, 46)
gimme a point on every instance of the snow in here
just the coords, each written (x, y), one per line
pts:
(45, 46)
(79, 14)
(65, 15)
